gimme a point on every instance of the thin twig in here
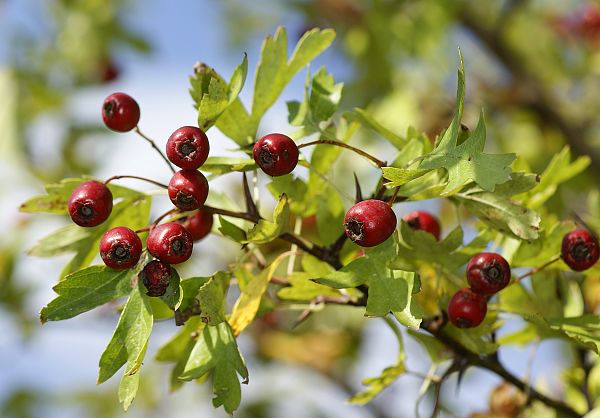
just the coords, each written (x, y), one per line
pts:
(156, 183)
(535, 270)
(153, 144)
(341, 144)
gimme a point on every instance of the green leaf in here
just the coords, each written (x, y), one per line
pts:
(545, 248)
(212, 298)
(437, 351)
(212, 95)
(393, 292)
(500, 213)
(584, 330)
(330, 216)
(274, 72)
(231, 230)
(266, 231)
(173, 295)
(62, 241)
(303, 288)
(86, 289)
(224, 165)
(235, 123)
(216, 351)
(400, 176)
(467, 162)
(294, 188)
(368, 121)
(559, 170)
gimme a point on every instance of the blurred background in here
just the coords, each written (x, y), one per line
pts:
(534, 66)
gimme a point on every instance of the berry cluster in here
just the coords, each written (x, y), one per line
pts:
(169, 243)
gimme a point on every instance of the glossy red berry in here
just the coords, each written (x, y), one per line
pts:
(188, 189)
(90, 203)
(188, 147)
(580, 250)
(424, 221)
(467, 309)
(120, 248)
(156, 277)
(488, 273)
(276, 154)
(370, 222)
(199, 224)
(170, 243)
(120, 112)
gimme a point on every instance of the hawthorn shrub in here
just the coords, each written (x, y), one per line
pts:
(449, 293)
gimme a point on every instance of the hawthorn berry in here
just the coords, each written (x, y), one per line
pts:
(276, 154)
(488, 273)
(90, 203)
(424, 221)
(467, 309)
(580, 249)
(188, 189)
(120, 112)
(120, 248)
(188, 147)
(156, 277)
(170, 243)
(370, 222)
(199, 224)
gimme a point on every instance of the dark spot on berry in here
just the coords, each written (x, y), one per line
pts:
(580, 251)
(109, 108)
(414, 223)
(86, 211)
(355, 229)
(266, 158)
(178, 246)
(186, 149)
(121, 253)
(285, 154)
(463, 323)
(493, 273)
(185, 199)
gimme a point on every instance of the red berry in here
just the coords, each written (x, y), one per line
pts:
(108, 72)
(156, 276)
(188, 147)
(580, 250)
(188, 189)
(199, 224)
(276, 154)
(467, 309)
(90, 203)
(120, 248)
(370, 222)
(170, 243)
(120, 112)
(488, 273)
(424, 221)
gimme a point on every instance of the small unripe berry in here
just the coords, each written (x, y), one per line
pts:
(424, 221)
(370, 222)
(188, 147)
(580, 250)
(120, 112)
(199, 224)
(120, 248)
(488, 273)
(90, 203)
(467, 309)
(188, 189)
(276, 154)
(156, 277)
(170, 243)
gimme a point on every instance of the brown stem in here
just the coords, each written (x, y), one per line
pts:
(536, 270)
(153, 144)
(393, 198)
(164, 186)
(241, 215)
(360, 152)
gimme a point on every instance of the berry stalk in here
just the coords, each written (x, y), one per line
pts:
(336, 143)
(153, 144)
(156, 183)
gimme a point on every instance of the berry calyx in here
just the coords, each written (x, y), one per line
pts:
(188, 147)
(467, 309)
(120, 248)
(580, 249)
(120, 112)
(424, 221)
(170, 243)
(276, 154)
(199, 224)
(488, 273)
(156, 277)
(90, 203)
(369, 223)
(188, 189)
